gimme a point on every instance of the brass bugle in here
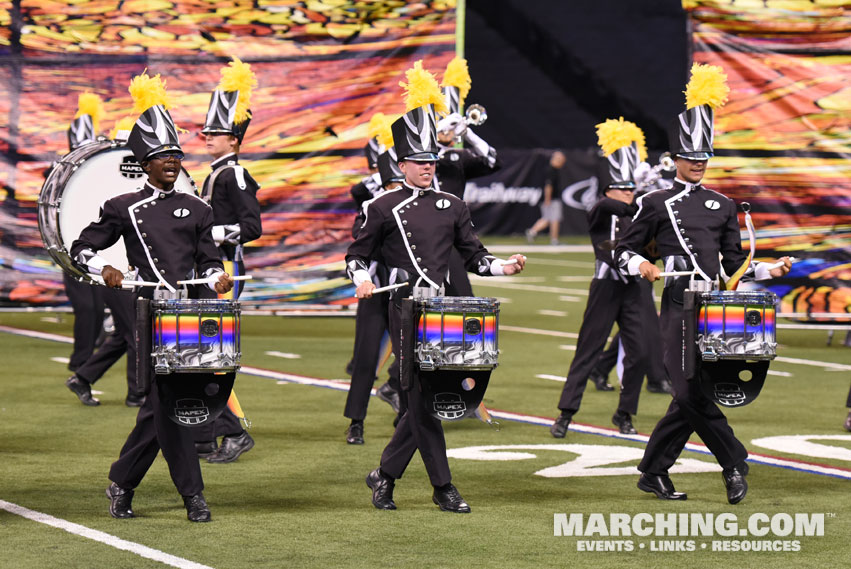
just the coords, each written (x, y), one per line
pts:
(475, 115)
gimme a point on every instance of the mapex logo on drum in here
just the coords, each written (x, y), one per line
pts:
(129, 168)
(449, 406)
(729, 394)
(191, 411)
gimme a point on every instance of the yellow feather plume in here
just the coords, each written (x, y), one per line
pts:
(614, 134)
(458, 75)
(147, 92)
(422, 89)
(125, 123)
(237, 76)
(379, 127)
(637, 136)
(92, 105)
(708, 86)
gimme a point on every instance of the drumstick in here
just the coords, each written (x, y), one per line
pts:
(388, 287)
(678, 274)
(513, 261)
(207, 280)
(781, 263)
(125, 282)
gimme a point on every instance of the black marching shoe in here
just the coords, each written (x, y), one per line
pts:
(120, 502)
(196, 508)
(135, 399)
(354, 434)
(389, 395)
(623, 421)
(600, 381)
(559, 428)
(847, 423)
(449, 500)
(734, 480)
(661, 486)
(231, 448)
(663, 386)
(82, 389)
(382, 490)
(206, 448)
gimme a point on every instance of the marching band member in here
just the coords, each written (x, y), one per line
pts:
(86, 300)
(413, 230)
(612, 297)
(167, 235)
(693, 226)
(371, 320)
(232, 193)
(456, 165)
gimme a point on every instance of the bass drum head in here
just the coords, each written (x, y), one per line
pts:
(88, 180)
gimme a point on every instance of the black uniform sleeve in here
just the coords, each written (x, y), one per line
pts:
(206, 252)
(367, 242)
(476, 257)
(100, 234)
(638, 235)
(244, 203)
(730, 241)
(476, 166)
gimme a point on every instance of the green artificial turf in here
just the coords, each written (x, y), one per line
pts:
(298, 499)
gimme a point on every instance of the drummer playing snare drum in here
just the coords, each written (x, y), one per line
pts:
(413, 230)
(167, 235)
(692, 226)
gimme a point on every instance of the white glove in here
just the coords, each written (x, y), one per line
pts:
(452, 122)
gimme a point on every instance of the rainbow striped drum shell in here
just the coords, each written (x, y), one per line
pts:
(457, 332)
(195, 336)
(733, 325)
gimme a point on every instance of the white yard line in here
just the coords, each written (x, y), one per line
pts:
(538, 331)
(490, 282)
(559, 313)
(285, 355)
(101, 537)
(825, 365)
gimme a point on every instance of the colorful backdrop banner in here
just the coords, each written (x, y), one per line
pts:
(323, 68)
(783, 140)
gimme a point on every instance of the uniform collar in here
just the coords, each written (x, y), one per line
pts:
(680, 185)
(416, 190)
(223, 160)
(159, 192)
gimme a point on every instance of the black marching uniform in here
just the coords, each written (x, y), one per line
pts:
(87, 304)
(371, 321)
(691, 225)
(168, 237)
(612, 298)
(232, 193)
(413, 230)
(453, 169)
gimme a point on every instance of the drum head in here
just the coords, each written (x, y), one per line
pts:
(77, 188)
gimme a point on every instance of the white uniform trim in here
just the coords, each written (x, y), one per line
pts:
(414, 195)
(153, 198)
(673, 218)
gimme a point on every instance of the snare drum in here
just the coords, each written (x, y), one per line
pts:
(73, 192)
(733, 325)
(457, 332)
(195, 336)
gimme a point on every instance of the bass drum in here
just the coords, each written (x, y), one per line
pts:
(77, 186)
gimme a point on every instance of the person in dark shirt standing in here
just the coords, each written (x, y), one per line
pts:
(167, 236)
(612, 297)
(695, 229)
(232, 193)
(413, 230)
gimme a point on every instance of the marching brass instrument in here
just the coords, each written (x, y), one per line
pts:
(648, 178)
(475, 115)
